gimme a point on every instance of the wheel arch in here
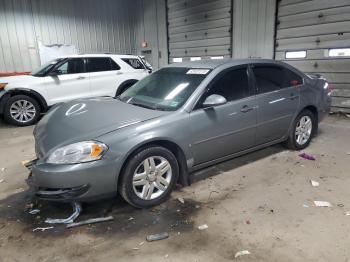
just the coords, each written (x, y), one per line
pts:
(172, 147)
(122, 87)
(31, 93)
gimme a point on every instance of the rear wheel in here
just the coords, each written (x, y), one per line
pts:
(303, 130)
(21, 110)
(149, 177)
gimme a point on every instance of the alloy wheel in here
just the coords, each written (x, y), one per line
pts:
(152, 178)
(22, 111)
(303, 130)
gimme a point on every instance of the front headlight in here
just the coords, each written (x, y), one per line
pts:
(77, 153)
(2, 86)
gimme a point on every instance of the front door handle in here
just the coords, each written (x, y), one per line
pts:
(80, 78)
(119, 73)
(246, 109)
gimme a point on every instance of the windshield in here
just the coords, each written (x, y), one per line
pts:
(167, 89)
(44, 69)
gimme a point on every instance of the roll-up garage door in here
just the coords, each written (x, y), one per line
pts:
(314, 36)
(199, 29)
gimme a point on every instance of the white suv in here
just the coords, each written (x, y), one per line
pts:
(24, 98)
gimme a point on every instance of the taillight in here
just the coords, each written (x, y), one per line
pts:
(328, 88)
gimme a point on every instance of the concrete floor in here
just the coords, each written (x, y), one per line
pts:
(253, 203)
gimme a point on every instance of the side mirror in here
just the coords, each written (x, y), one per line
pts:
(214, 100)
(54, 73)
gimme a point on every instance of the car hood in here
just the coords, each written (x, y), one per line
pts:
(86, 119)
(20, 81)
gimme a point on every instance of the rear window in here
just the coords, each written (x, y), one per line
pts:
(134, 63)
(100, 64)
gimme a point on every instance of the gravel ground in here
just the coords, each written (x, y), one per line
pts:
(261, 202)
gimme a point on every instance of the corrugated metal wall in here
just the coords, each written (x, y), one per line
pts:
(317, 26)
(253, 28)
(199, 28)
(92, 26)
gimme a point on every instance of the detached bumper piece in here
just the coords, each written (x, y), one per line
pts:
(61, 194)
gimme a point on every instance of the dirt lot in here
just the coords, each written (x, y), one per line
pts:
(255, 202)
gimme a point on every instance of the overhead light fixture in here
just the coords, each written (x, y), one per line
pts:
(177, 59)
(334, 52)
(217, 57)
(295, 54)
(195, 58)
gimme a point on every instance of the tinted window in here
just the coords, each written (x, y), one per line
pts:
(71, 66)
(232, 85)
(99, 64)
(134, 63)
(271, 78)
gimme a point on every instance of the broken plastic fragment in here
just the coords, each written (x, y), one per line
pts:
(68, 220)
(90, 221)
(203, 227)
(34, 211)
(242, 253)
(306, 205)
(322, 204)
(42, 229)
(181, 200)
(157, 237)
(314, 183)
(307, 157)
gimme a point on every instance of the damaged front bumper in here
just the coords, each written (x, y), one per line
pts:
(67, 183)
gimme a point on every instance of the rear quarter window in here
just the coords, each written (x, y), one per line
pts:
(134, 63)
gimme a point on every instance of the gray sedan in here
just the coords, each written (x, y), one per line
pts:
(181, 118)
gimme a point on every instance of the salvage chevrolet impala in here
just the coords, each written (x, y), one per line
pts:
(177, 120)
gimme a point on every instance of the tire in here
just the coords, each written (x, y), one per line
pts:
(134, 191)
(292, 141)
(29, 117)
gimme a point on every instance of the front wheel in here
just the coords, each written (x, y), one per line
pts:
(21, 110)
(149, 177)
(303, 129)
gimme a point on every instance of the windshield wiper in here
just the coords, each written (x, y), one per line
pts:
(143, 105)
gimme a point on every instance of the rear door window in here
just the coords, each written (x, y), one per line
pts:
(134, 63)
(100, 64)
(271, 78)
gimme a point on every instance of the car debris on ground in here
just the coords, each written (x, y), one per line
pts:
(77, 209)
(322, 204)
(34, 211)
(242, 253)
(2, 180)
(42, 229)
(203, 227)
(181, 200)
(307, 157)
(156, 237)
(3, 169)
(90, 221)
(314, 183)
(306, 205)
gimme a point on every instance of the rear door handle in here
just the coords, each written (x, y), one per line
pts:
(246, 109)
(80, 78)
(119, 73)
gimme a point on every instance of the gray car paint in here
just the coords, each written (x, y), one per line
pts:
(203, 136)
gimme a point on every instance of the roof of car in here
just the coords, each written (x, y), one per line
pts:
(213, 63)
(102, 55)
